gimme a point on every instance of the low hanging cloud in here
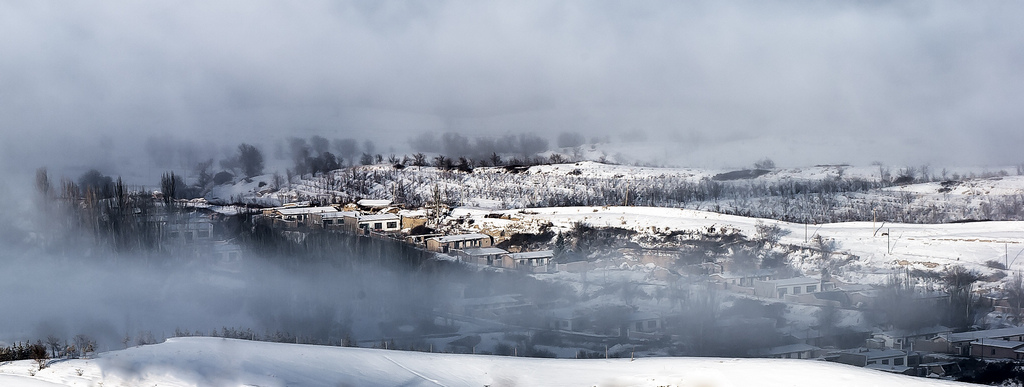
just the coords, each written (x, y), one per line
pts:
(709, 83)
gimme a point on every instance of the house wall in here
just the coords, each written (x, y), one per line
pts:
(389, 225)
(979, 350)
(413, 222)
(438, 246)
(861, 359)
(648, 325)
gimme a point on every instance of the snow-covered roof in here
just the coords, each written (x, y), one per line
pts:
(888, 368)
(932, 330)
(643, 316)
(532, 254)
(986, 334)
(374, 203)
(758, 273)
(784, 349)
(379, 217)
(1000, 343)
(483, 251)
(795, 281)
(306, 210)
(882, 353)
(460, 237)
(340, 214)
(490, 300)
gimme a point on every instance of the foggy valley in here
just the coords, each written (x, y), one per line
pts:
(203, 193)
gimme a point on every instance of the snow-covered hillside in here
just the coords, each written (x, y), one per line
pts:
(227, 362)
(925, 247)
(815, 194)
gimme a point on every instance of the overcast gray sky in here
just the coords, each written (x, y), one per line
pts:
(711, 83)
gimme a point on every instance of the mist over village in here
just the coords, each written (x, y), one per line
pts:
(498, 194)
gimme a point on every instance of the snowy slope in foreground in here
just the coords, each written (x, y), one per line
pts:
(225, 362)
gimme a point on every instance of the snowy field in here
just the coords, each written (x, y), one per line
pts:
(918, 246)
(226, 362)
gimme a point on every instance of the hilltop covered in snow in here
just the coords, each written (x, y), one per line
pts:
(820, 194)
(224, 362)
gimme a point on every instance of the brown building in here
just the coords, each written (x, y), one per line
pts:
(448, 243)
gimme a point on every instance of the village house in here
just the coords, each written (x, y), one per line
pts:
(566, 319)
(962, 343)
(644, 322)
(378, 223)
(906, 338)
(190, 230)
(373, 204)
(299, 216)
(420, 240)
(331, 220)
(791, 351)
(449, 243)
(484, 256)
(491, 306)
(862, 357)
(998, 349)
(532, 261)
(782, 287)
(729, 279)
(226, 252)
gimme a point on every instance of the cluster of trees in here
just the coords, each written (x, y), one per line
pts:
(525, 145)
(827, 200)
(904, 305)
(54, 347)
(102, 211)
(267, 336)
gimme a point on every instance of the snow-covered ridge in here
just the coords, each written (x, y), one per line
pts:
(226, 362)
(817, 194)
(926, 247)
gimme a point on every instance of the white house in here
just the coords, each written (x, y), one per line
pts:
(301, 215)
(380, 223)
(782, 287)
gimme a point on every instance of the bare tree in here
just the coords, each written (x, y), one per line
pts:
(769, 233)
(251, 160)
(764, 163)
(366, 159)
(419, 160)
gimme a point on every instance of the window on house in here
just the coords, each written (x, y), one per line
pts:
(204, 234)
(993, 351)
(885, 361)
(652, 324)
(796, 290)
(563, 324)
(188, 236)
(328, 221)
(392, 224)
(782, 292)
(378, 226)
(173, 234)
(812, 288)
(639, 325)
(897, 361)
(872, 362)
